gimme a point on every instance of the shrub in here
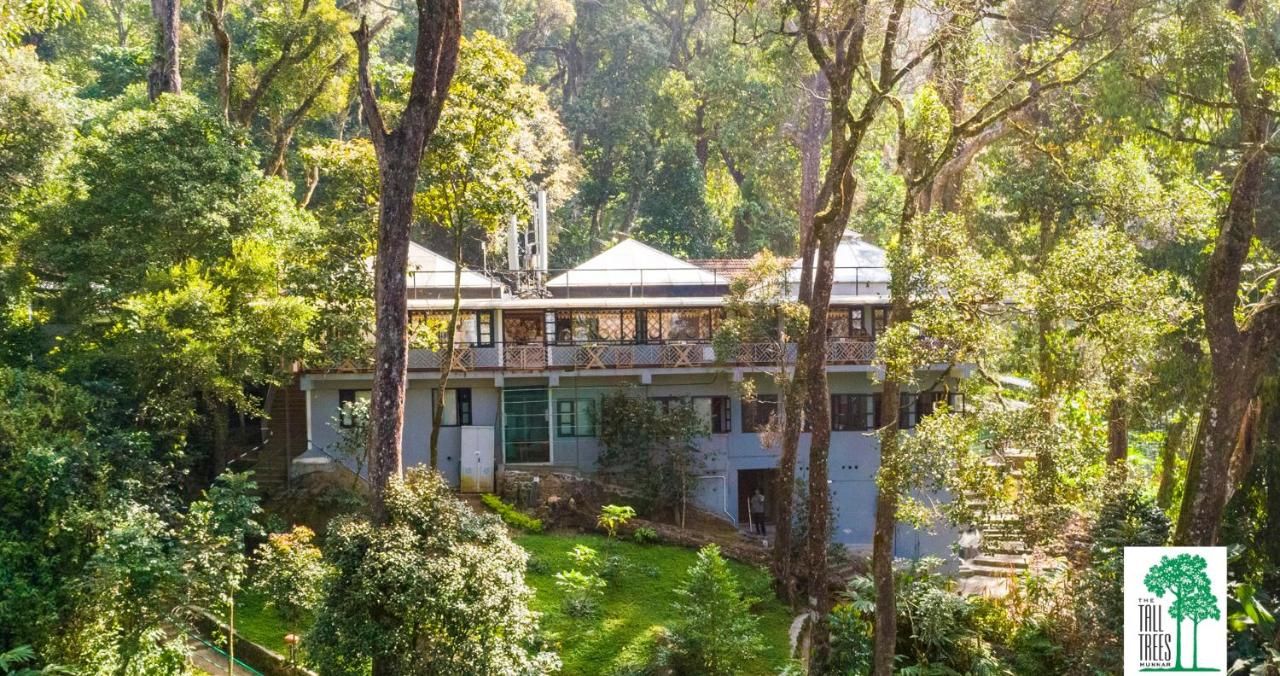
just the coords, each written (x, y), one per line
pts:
(512, 516)
(850, 641)
(581, 592)
(291, 573)
(614, 566)
(582, 585)
(1127, 519)
(585, 558)
(612, 517)
(644, 535)
(435, 589)
(652, 449)
(537, 565)
(716, 633)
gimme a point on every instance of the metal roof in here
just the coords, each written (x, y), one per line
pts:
(856, 260)
(632, 263)
(429, 269)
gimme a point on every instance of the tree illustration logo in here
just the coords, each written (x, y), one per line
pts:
(1178, 595)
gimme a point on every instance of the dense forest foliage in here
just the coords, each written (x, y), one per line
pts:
(1078, 199)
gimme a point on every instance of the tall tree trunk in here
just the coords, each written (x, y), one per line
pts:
(810, 141)
(451, 333)
(215, 12)
(884, 647)
(1236, 353)
(165, 76)
(819, 410)
(399, 157)
(889, 478)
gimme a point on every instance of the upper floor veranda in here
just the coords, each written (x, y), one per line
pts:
(631, 307)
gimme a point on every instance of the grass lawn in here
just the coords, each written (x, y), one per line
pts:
(634, 604)
(262, 625)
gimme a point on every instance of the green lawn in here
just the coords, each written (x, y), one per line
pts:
(634, 604)
(262, 625)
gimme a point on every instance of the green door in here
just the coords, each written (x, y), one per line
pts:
(526, 425)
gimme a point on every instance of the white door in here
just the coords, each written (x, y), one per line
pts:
(477, 459)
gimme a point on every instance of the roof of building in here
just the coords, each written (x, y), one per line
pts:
(857, 262)
(725, 268)
(429, 269)
(632, 263)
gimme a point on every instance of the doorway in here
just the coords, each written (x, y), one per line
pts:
(748, 481)
(523, 345)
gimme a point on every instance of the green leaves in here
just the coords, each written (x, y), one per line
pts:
(717, 632)
(291, 572)
(439, 589)
(473, 175)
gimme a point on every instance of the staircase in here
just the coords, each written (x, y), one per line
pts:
(1002, 553)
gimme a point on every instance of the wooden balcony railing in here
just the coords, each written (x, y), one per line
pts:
(613, 356)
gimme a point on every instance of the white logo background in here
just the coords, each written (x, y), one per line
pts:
(1139, 635)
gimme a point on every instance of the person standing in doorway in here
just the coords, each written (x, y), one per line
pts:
(757, 511)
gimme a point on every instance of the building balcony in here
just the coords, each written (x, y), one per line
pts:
(533, 357)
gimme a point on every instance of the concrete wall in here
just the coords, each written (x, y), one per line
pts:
(853, 461)
(417, 419)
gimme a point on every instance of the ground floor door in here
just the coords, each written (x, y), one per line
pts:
(477, 459)
(526, 425)
(748, 481)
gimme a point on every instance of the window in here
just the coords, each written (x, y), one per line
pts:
(845, 322)
(474, 328)
(852, 412)
(346, 399)
(690, 325)
(757, 414)
(457, 406)
(929, 402)
(721, 415)
(918, 405)
(879, 320)
(714, 412)
(557, 326)
(908, 411)
(526, 434)
(484, 328)
(576, 418)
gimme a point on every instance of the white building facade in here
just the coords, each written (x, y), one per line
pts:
(529, 373)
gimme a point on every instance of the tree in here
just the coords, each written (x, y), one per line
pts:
(474, 178)
(69, 476)
(435, 588)
(213, 535)
(207, 333)
(168, 181)
(295, 67)
(399, 153)
(652, 448)
(1241, 338)
(22, 17)
(1094, 281)
(1199, 606)
(165, 76)
(759, 311)
(37, 114)
(1184, 577)
(674, 215)
(716, 633)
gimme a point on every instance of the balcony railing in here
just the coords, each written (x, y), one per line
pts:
(612, 356)
(629, 282)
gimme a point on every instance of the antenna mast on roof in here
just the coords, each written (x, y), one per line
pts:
(529, 250)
